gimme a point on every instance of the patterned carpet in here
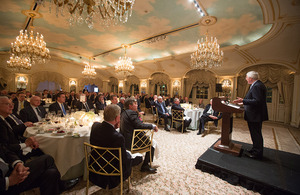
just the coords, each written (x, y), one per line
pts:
(178, 154)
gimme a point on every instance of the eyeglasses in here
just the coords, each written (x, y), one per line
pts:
(8, 104)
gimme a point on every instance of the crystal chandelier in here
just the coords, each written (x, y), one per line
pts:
(124, 65)
(109, 12)
(89, 71)
(18, 63)
(207, 54)
(30, 47)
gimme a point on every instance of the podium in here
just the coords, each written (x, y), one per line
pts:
(225, 145)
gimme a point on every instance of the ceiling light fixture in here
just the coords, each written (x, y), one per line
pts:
(89, 71)
(109, 12)
(124, 66)
(208, 53)
(29, 47)
(17, 63)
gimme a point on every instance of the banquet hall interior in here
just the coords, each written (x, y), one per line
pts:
(156, 47)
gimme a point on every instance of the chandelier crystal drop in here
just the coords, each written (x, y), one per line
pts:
(89, 71)
(207, 54)
(18, 63)
(108, 12)
(124, 65)
(30, 47)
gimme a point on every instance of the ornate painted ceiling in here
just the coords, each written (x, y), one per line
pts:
(240, 23)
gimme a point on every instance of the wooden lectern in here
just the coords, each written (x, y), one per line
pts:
(225, 145)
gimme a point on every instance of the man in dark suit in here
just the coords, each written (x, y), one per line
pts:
(33, 113)
(40, 172)
(209, 115)
(256, 112)
(131, 121)
(100, 104)
(20, 103)
(121, 103)
(105, 135)
(187, 121)
(83, 105)
(59, 105)
(163, 112)
(11, 138)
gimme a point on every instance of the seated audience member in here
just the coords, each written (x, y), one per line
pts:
(100, 104)
(28, 94)
(13, 96)
(129, 122)
(83, 105)
(40, 172)
(20, 103)
(186, 101)
(121, 103)
(11, 137)
(114, 99)
(139, 104)
(72, 100)
(33, 113)
(187, 120)
(154, 100)
(17, 124)
(209, 115)
(105, 135)
(59, 105)
(51, 95)
(163, 112)
(43, 103)
(147, 101)
(201, 104)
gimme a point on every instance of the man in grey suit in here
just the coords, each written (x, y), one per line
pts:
(255, 113)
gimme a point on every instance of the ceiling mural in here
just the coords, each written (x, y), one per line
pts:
(238, 22)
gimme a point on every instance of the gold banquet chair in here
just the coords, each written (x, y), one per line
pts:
(177, 117)
(210, 126)
(142, 141)
(95, 154)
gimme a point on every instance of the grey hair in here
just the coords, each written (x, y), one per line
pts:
(252, 74)
(159, 97)
(176, 99)
(111, 112)
(3, 97)
(122, 98)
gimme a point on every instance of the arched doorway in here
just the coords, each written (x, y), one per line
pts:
(160, 84)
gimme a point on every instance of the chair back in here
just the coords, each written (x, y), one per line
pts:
(177, 115)
(103, 161)
(141, 140)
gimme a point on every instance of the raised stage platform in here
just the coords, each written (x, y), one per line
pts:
(277, 173)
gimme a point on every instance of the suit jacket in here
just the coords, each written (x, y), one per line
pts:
(28, 114)
(55, 107)
(16, 105)
(80, 106)
(100, 106)
(18, 129)
(159, 109)
(129, 122)
(255, 104)
(177, 107)
(205, 115)
(105, 135)
(121, 106)
(10, 139)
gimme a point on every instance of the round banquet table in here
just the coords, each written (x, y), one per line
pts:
(195, 115)
(67, 151)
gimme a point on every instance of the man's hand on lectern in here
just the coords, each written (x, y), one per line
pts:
(238, 100)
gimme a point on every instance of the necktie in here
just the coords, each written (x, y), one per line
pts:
(63, 109)
(15, 119)
(162, 108)
(86, 107)
(39, 112)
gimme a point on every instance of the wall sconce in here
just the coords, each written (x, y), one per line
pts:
(121, 84)
(176, 85)
(226, 85)
(72, 82)
(143, 84)
(21, 82)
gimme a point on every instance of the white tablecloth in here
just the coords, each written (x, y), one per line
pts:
(67, 151)
(195, 115)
